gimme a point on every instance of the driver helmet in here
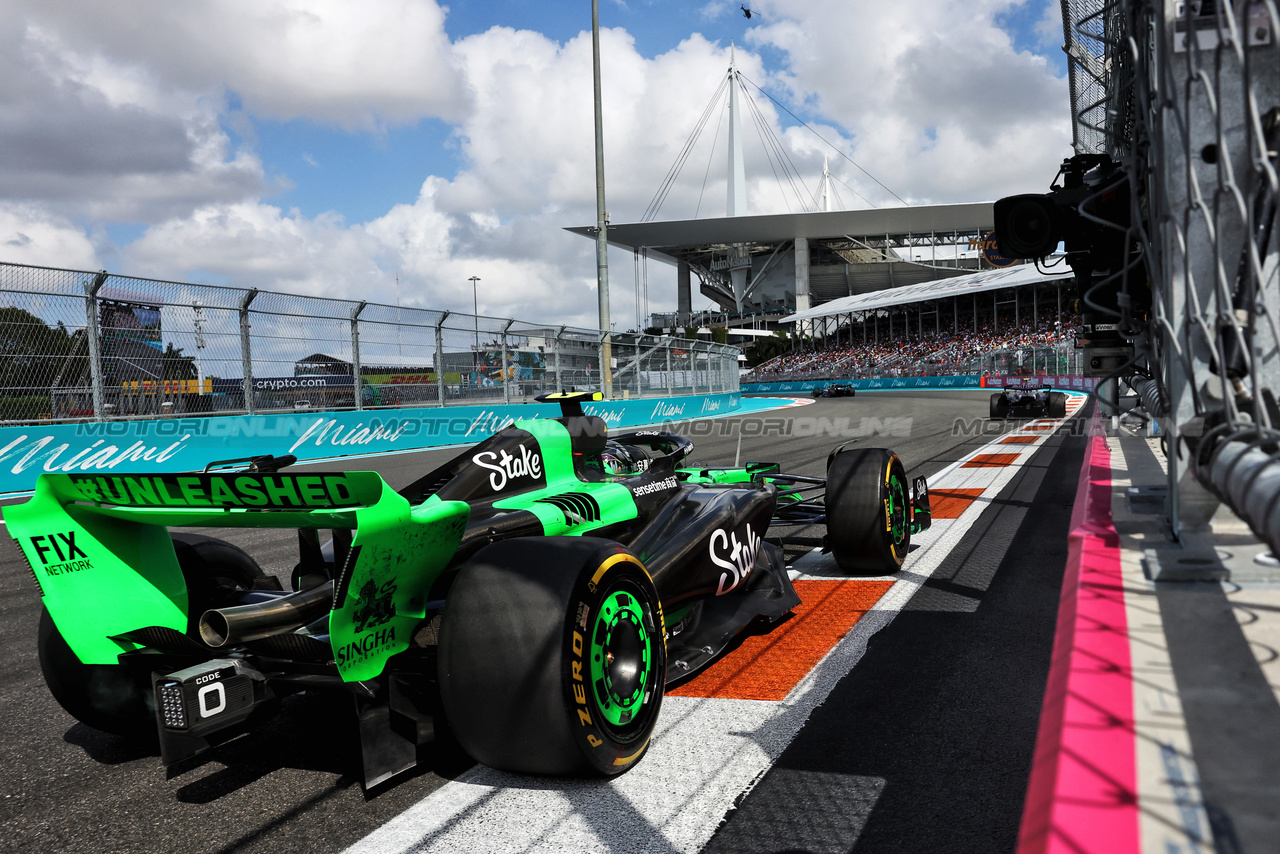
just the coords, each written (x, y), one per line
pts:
(613, 464)
(619, 459)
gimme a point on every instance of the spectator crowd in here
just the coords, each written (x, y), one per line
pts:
(910, 354)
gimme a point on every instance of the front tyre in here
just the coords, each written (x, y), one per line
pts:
(118, 699)
(999, 406)
(552, 657)
(868, 511)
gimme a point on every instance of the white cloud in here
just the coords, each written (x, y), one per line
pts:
(930, 97)
(1049, 28)
(29, 235)
(89, 138)
(940, 105)
(356, 65)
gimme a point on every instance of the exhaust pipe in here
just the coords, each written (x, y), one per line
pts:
(243, 623)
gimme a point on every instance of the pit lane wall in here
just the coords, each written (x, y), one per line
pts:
(188, 444)
(1065, 382)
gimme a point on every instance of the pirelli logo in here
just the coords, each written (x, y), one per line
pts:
(260, 491)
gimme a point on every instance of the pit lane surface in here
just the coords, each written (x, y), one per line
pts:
(925, 745)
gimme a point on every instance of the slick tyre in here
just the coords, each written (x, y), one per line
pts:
(999, 406)
(552, 657)
(212, 568)
(117, 699)
(868, 511)
(1057, 404)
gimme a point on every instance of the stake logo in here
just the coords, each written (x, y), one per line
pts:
(70, 557)
(505, 467)
(736, 557)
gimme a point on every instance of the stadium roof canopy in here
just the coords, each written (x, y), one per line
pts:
(987, 280)
(670, 238)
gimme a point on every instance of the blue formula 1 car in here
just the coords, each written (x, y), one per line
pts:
(1026, 398)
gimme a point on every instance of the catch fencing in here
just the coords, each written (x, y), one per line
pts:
(1185, 97)
(78, 345)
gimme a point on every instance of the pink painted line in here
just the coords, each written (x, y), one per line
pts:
(1082, 795)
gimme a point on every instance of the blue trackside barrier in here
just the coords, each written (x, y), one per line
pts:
(1065, 382)
(188, 444)
(868, 384)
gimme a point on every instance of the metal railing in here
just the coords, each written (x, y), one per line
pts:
(1185, 97)
(78, 345)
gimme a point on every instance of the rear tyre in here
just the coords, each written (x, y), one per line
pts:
(212, 569)
(999, 406)
(868, 511)
(552, 657)
(1057, 404)
(117, 699)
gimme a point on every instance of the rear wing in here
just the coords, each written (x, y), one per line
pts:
(99, 549)
(219, 499)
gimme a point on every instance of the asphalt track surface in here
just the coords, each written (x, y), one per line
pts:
(924, 746)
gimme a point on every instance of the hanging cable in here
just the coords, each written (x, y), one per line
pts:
(856, 193)
(774, 148)
(821, 137)
(769, 157)
(674, 172)
(710, 157)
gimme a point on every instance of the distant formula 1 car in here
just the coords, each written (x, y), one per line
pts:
(835, 390)
(534, 595)
(1028, 399)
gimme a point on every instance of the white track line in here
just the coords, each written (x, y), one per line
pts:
(706, 753)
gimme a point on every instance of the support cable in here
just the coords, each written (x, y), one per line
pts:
(674, 172)
(807, 126)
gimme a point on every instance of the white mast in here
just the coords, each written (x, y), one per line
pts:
(737, 170)
(737, 203)
(826, 185)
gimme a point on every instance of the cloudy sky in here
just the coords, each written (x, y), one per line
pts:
(328, 147)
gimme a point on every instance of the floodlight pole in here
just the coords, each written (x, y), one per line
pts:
(602, 216)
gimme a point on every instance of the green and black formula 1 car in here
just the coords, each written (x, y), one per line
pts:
(534, 595)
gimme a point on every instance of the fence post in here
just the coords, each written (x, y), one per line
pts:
(356, 375)
(506, 379)
(560, 386)
(693, 365)
(244, 351)
(94, 333)
(671, 380)
(440, 359)
(639, 345)
(604, 366)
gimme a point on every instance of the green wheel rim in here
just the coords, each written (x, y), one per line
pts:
(897, 509)
(621, 658)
